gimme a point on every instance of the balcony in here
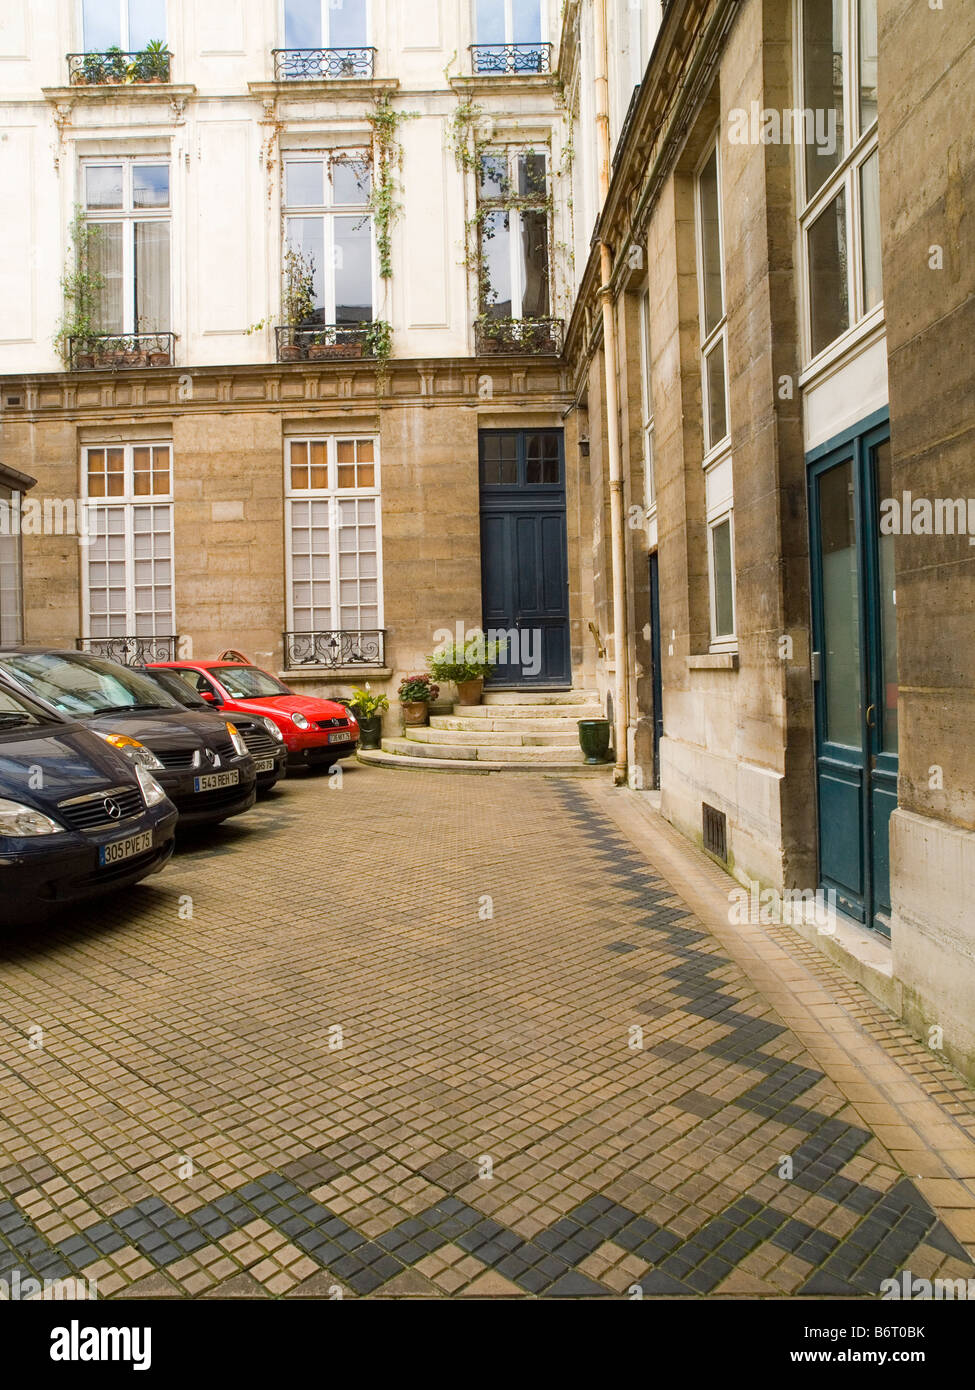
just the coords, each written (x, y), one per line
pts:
(130, 651)
(317, 64)
(519, 59)
(115, 68)
(117, 350)
(536, 337)
(340, 647)
(330, 342)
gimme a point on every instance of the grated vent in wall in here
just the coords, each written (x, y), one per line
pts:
(715, 831)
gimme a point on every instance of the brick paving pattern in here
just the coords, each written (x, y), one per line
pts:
(431, 1035)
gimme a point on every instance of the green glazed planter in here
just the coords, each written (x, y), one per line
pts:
(594, 740)
(371, 732)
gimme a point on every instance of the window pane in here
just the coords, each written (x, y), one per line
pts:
(822, 42)
(303, 24)
(102, 27)
(532, 176)
(868, 62)
(496, 254)
(888, 610)
(306, 235)
(873, 289)
(351, 182)
(147, 21)
(103, 185)
(304, 183)
(841, 612)
(717, 396)
(490, 21)
(150, 186)
(353, 269)
(534, 247)
(828, 296)
(106, 260)
(711, 245)
(724, 602)
(527, 17)
(152, 277)
(493, 180)
(347, 24)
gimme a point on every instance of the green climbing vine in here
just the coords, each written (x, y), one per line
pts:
(386, 208)
(82, 285)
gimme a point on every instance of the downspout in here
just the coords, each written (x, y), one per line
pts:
(621, 644)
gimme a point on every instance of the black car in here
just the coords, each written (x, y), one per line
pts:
(203, 764)
(77, 818)
(264, 739)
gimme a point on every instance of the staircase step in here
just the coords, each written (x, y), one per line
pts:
(565, 712)
(471, 752)
(535, 726)
(522, 737)
(540, 697)
(400, 753)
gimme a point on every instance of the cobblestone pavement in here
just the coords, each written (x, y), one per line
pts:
(454, 1035)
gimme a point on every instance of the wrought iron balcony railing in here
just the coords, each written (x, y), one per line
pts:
(340, 647)
(116, 350)
(518, 58)
(541, 335)
(114, 67)
(132, 650)
(330, 342)
(295, 64)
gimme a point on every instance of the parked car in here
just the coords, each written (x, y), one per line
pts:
(203, 764)
(264, 739)
(318, 732)
(77, 818)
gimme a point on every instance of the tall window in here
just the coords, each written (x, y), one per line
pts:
(334, 547)
(125, 24)
(839, 167)
(11, 578)
(646, 394)
(128, 562)
(714, 401)
(325, 23)
(513, 217)
(506, 22)
(128, 202)
(329, 222)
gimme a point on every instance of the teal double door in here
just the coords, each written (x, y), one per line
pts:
(855, 669)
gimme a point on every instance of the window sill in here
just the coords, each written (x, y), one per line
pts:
(324, 86)
(484, 84)
(356, 674)
(713, 661)
(120, 91)
(870, 328)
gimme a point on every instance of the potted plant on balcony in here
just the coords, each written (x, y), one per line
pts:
(416, 694)
(152, 64)
(82, 287)
(116, 68)
(368, 710)
(298, 300)
(93, 71)
(467, 664)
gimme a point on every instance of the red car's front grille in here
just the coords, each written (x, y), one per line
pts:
(337, 723)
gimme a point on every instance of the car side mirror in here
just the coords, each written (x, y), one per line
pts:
(210, 698)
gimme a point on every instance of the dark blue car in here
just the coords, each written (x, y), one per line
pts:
(77, 817)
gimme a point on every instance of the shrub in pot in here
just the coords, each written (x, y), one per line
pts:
(467, 664)
(416, 693)
(368, 710)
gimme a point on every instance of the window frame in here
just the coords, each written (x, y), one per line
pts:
(12, 566)
(647, 416)
(127, 503)
(324, 7)
(728, 641)
(333, 496)
(125, 40)
(327, 213)
(717, 338)
(514, 204)
(127, 216)
(860, 142)
(509, 26)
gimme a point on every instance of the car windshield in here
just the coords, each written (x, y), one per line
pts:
(85, 685)
(18, 712)
(174, 684)
(248, 683)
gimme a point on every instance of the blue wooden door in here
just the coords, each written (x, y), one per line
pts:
(524, 562)
(855, 642)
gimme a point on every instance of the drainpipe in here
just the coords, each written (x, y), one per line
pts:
(621, 646)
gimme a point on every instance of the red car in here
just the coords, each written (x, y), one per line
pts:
(318, 732)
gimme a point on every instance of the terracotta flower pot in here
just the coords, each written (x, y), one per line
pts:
(84, 360)
(291, 353)
(415, 713)
(159, 359)
(470, 691)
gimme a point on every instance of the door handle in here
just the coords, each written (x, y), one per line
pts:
(871, 711)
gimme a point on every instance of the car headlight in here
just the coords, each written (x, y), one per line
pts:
(300, 722)
(237, 739)
(135, 751)
(273, 730)
(152, 792)
(17, 820)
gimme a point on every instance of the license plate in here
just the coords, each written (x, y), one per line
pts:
(125, 849)
(264, 765)
(213, 781)
(340, 738)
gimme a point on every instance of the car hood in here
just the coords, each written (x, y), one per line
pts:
(44, 766)
(311, 706)
(178, 728)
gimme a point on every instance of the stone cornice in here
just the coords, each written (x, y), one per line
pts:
(13, 478)
(308, 89)
(139, 92)
(505, 84)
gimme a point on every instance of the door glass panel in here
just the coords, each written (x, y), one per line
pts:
(822, 52)
(353, 269)
(527, 20)
(534, 244)
(496, 252)
(828, 296)
(101, 21)
(887, 604)
(106, 258)
(147, 21)
(347, 24)
(303, 23)
(841, 610)
(152, 277)
(490, 21)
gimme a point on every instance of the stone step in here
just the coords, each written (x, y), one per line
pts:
(537, 725)
(504, 754)
(540, 697)
(402, 757)
(520, 737)
(565, 713)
